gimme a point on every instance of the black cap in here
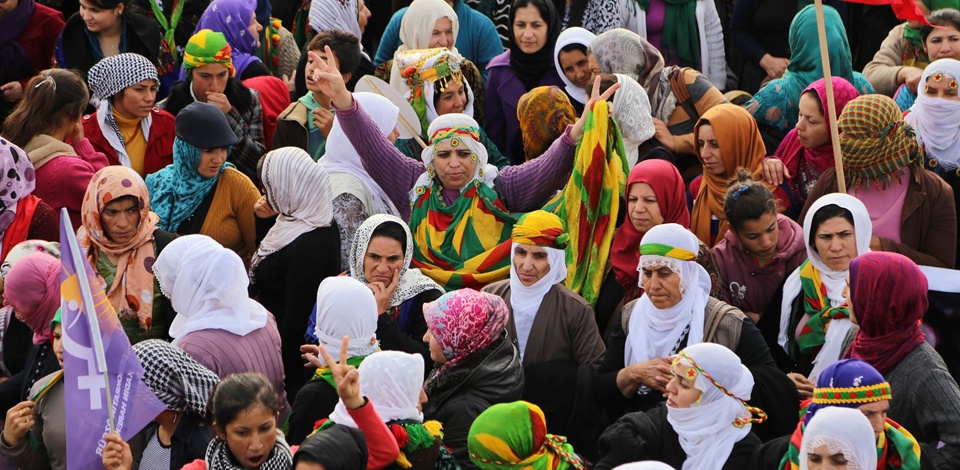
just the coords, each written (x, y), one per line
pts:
(203, 125)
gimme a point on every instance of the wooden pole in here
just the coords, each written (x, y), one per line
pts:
(401, 119)
(831, 108)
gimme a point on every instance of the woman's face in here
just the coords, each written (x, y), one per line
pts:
(6, 6)
(453, 99)
(120, 219)
(455, 166)
(943, 43)
(710, 151)
(58, 343)
(812, 129)
(642, 207)
(662, 286)
(941, 85)
(251, 435)
(594, 67)
(821, 458)
(576, 67)
(529, 29)
(681, 392)
(759, 236)
(531, 263)
(836, 243)
(137, 100)
(363, 15)
(442, 35)
(436, 352)
(99, 19)
(211, 161)
(384, 257)
(210, 78)
(255, 27)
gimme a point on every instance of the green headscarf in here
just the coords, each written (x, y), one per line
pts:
(514, 436)
(57, 319)
(805, 66)
(680, 32)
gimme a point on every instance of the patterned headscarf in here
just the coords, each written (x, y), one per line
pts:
(326, 15)
(419, 72)
(544, 114)
(631, 108)
(207, 47)
(541, 228)
(841, 430)
(17, 181)
(132, 289)
(33, 287)
(464, 322)
(848, 383)
(514, 436)
(25, 248)
(178, 190)
(180, 382)
(889, 296)
(232, 18)
(626, 52)
(112, 74)
(876, 142)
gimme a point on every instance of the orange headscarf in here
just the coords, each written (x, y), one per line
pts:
(740, 146)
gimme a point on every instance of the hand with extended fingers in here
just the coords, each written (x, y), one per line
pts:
(345, 376)
(328, 78)
(577, 131)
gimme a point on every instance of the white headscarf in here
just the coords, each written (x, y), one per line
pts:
(631, 109)
(841, 430)
(412, 281)
(937, 120)
(346, 307)
(207, 285)
(574, 35)
(485, 172)
(525, 301)
(834, 281)
(326, 15)
(707, 429)
(416, 28)
(300, 190)
(645, 465)
(392, 381)
(655, 332)
(342, 160)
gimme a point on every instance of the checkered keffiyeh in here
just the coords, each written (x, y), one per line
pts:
(112, 74)
(178, 381)
(876, 142)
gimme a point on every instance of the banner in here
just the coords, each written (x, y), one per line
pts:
(88, 414)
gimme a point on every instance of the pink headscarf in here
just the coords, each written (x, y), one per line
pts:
(821, 158)
(33, 287)
(464, 322)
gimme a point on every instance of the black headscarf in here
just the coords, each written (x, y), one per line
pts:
(337, 447)
(530, 68)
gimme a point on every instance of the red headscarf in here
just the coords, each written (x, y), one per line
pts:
(889, 295)
(33, 288)
(821, 158)
(667, 185)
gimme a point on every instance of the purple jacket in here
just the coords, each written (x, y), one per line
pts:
(503, 91)
(750, 287)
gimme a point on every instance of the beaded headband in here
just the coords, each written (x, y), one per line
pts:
(840, 396)
(940, 76)
(452, 132)
(660, 249)
(695, 368)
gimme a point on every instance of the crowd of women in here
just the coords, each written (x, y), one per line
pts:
(584, 234)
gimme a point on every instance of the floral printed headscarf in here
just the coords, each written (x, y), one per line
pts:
(464, 322)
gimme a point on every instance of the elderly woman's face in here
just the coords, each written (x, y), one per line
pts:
(531, 263)
(941, 85)
(455, 165)
(594, 67)
(120, 219)
(442, 34)
(642, 207)
(662, 286)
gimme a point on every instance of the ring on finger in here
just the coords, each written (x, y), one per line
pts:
(20, 413)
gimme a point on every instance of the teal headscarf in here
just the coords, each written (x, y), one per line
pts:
(805, 67)
(177, 190)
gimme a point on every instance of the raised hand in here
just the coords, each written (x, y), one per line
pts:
(328, 78)
(577, 131)
(345, 376)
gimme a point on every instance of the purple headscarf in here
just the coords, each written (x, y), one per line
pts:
(232, 18)
(15, 64)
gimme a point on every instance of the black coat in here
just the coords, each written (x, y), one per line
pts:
(143, 37)
(649, 436)
(40, 362)
(460, 394)
(188, 443)
(237, 94)
(315, 401)
(408, 337)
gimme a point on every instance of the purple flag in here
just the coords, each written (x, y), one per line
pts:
(132, 404)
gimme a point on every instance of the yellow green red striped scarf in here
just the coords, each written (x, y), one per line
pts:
(817, 305)
(896, 449)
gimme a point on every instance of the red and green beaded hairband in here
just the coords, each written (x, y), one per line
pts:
(841, 396)
(453, 133)
(695, 370)
(660, 249)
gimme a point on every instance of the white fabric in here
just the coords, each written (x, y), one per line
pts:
(653, 331)
(941, 279)
(346, 307)
(645, 465)
(429, 90)
(416, 28)
(207, 286)
(574, 35)
(844, 430)
(834, 281)
(937, 120)
(326, 15)
(392, 381)
(706, 429)
(412, 281)
(112, 134)
(713, 60)
(525, 301)
(342, 157)
(631, 109)
(300, 190)
(485, 172)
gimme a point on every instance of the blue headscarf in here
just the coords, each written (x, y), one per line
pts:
(177, 190)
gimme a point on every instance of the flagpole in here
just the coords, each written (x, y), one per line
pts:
(831, 108)
(91, 311)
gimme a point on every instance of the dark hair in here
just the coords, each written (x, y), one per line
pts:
(608, 80)
(437, 92)
(548, 13)
(107, 4)
(826, 213)
(392, 230)
(947, 17)
(49, 99)
(343, 44)
(816, 98)
(573, 47)
(746, 199)
(238, 393)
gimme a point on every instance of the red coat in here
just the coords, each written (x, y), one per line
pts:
(159, 149)
(39, 38)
